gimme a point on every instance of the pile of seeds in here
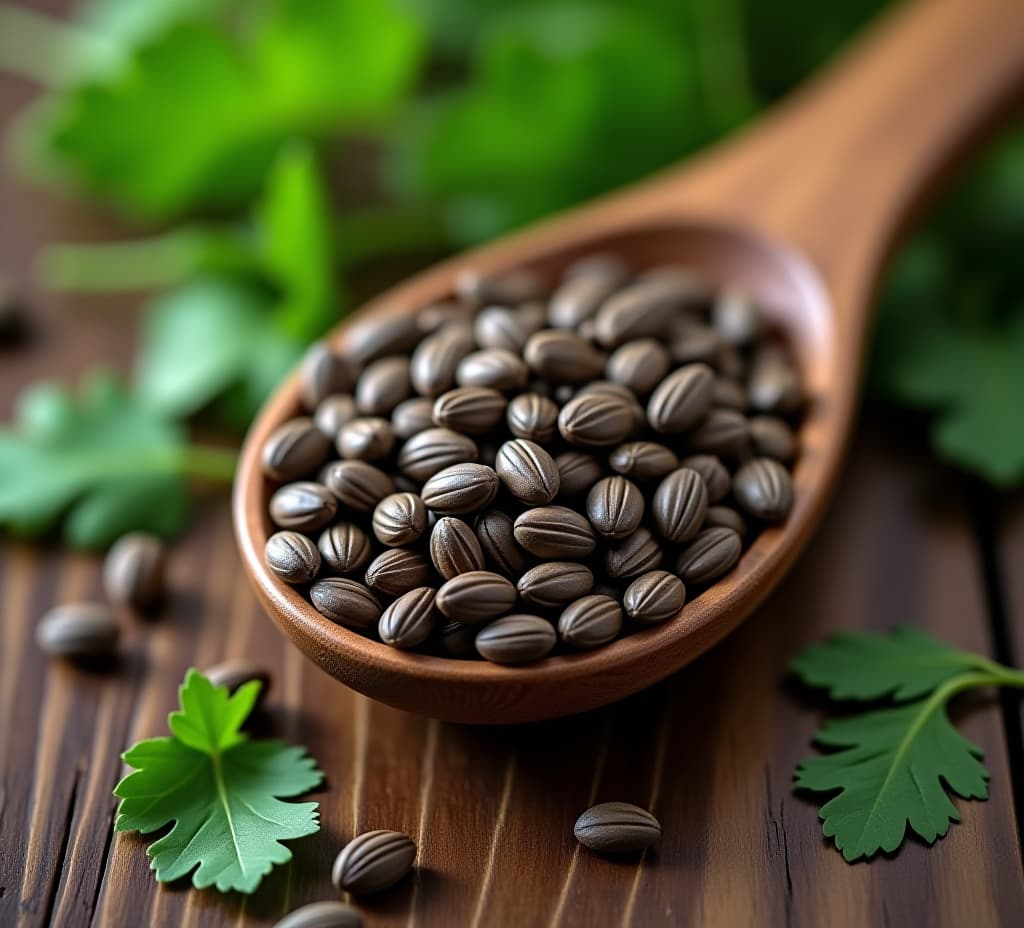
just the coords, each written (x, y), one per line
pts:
(520, 470)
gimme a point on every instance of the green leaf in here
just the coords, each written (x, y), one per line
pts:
(904, 664)
(222, 791)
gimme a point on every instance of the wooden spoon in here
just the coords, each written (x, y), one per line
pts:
(802, 209)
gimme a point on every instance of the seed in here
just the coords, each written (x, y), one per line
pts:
(722, 432)
(236, 672)
(679, 505)
(595, 420)
(475, 410)
(454, 548)
(493, 367)
(457, 640)
(713, 472)
(764, 489)
(431, 318)
(615, 507)
(294, 450)
(772, 438)
(460, 488)
(643, 460)
(681, 400)
(333, 412)
(346, 602)
(555, 532)
(433, 363)
(397, 571)
(562, 357)
(735, 317)
(527, 471)
(476, 596)
(726, 517)
(584, 290)
(640, 365)
(357, 485)
(399, 519)
(508, 289)
(369, 438)
(713, 552)
(533, 417)
(508, 329)
(644, 308)
(133, 572)
(410, 619)
(372, 337)
(555, 583)
(292, 557)
(411, 417)
(323, 372)
(344, 547)
(729, 394)
(617, 828)
(693, 342)
(322, 915)
(774, 384)
(590, 622)
(495, 532)
(383, 385)
(303, 507)
(78, 631)
(373, 861)
(431, 451)
(516, 639)
(608, 386)
(577, 472)
(637, 554)
(654, 597)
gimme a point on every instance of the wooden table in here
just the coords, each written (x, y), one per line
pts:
(711, 751)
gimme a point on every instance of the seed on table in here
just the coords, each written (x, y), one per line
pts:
(735, 317)
(508, 289)
(371, 338)
(615, 507)
(555, 583)
(643, 308)
(399, 519)
(643, 460)
(772, 438)
(562, 357)
(410, 619)
(303, 506)
(373, 861)
(368, 438)
(133, 571)
(654, 597)
(412, 416)
(344, 547)
(457, 640)
(292, 557)
(637, 554)
(294, 450)
(433, 363)
(333, 412)
(533, 417)
(527, 471)
(729, 394)
(590, 622)
(596, 420)
(433, 450)
(555, 532)
(495, 532)
(236, 672)
(346, 602)
(712, 553)
(679, 504)
(681, 400)
(764, 489)
(382, 386)
(516, 639)
(323, 372)
(509, 329)
(329, 914)
(356, 484)
(78, 631)
(476, 596)
(727, 517)
(617, 828)
(398, 570)
(713, 472)
(460, 489)
(722, 432)
(577, 472)
(774, 383)
(694, 342)
(639, 365)
(492, 367)
(582, 291)
(472, 410)
(454, 548)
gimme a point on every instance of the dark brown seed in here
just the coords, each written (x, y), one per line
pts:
(693, 342)
(764, 489)
(454, 548)
(78, 631)
(772, 438)
(382, 386)
(577, 472)
(412, 417)
(640, 365)
(236, 672)
(373, 861)
(457, 640)
(722, 432)
(774, 384)
(357, 485)
(303, 506)
(713, 472)
(516, 639)
(583, 291)
(329, 914)
(397, 571)
(533, 417)
(399, 519)
(333, 412)
(509, 289)
(654, 597)
(371, 338)
(527, 471)
(410, 619)
(495, 532)
(433, 317)
(344, 547)
(725, 517)
(644, 308)
(598, 263)
(460, 489)
(643, 460)
(555, 532)
(590, 622)
(615, 507)
(608, 386)
(735, 318)
(476, 596)
(617, 828)
(679, 504)
(133, 571)
(346, 602)
(493, 367)
(729, 394)
(323, 372)
(433, 363)
(731, 364)
(292, 557)
(294, 450)
(555, 583)
(562, 357)
(711, 554)
(637, 554)
(509, 329)
(595, 420)
(433, 450)
(474, 410)
(681, 400)
(368, 438)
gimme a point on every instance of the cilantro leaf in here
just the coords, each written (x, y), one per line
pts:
(222, 791)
